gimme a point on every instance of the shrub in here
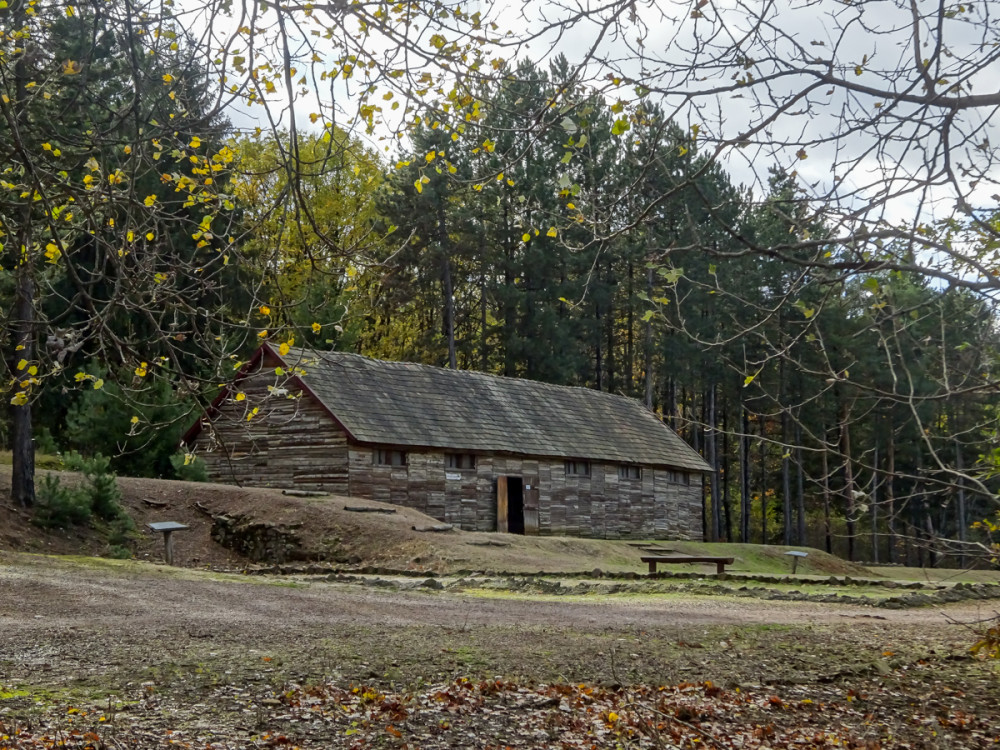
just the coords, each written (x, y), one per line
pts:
(98, 496)
(119, 552)
(59, 507)
(121, 531)
(102, 485)
(189, 467)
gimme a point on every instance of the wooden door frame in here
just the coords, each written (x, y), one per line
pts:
(502, 504)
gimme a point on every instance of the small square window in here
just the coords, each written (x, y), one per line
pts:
(385, 457)
(578, 468)
(460, 461)
(629, 471)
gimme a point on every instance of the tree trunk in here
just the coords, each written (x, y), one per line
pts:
(786, 481)
(827, 532)
(745, 477)
(763, 481)
(727, 519)
(845, 449)
(696, 444)
(484, 361)
(598, 349)
(711, 453)
(873, 503)
(22, 325)
(961, 517)
(630, 332)
(647, 348)
(890, 497)
(609, 326)
(800, 489)
(447, 288)
(22, 436)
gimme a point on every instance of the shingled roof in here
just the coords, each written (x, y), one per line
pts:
(414, 405)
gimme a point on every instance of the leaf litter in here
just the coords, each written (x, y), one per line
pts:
(499, 713)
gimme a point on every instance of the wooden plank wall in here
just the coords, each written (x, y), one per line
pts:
(290, 443)
(601, 506)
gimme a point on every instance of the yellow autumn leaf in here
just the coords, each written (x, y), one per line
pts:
(283, 349)
(552, 232)
(241, 396)
(135, 419)
(98, 384)
(316, 327)
(22, 364)
(265, 310)
(20, 398)
(195, 142)
(525, 237)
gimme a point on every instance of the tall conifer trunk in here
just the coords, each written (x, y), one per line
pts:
(827, 533)
(874, 503)
(712, 455)
(745, 477)
(800, 489)
(961, 515)
(647, 348)
(890, 497)
(763, 481)
(786, 481)
(727, 516)
(845, 448)
(449, 291)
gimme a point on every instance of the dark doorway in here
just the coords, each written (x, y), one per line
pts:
(515, 505)
(510, 505)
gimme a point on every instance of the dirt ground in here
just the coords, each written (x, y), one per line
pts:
(98, 653)
(128, 654)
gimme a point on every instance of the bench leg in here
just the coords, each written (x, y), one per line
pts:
(652, 567)
(720, 568)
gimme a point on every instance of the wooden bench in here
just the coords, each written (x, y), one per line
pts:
(654, 560)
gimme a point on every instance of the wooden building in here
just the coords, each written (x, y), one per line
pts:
(483, 452)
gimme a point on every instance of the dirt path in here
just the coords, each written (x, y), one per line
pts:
(46, 593)
(228, 661)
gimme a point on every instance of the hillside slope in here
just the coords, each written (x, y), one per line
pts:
(274, 527)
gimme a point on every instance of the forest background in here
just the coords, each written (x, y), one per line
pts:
(834, 363)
